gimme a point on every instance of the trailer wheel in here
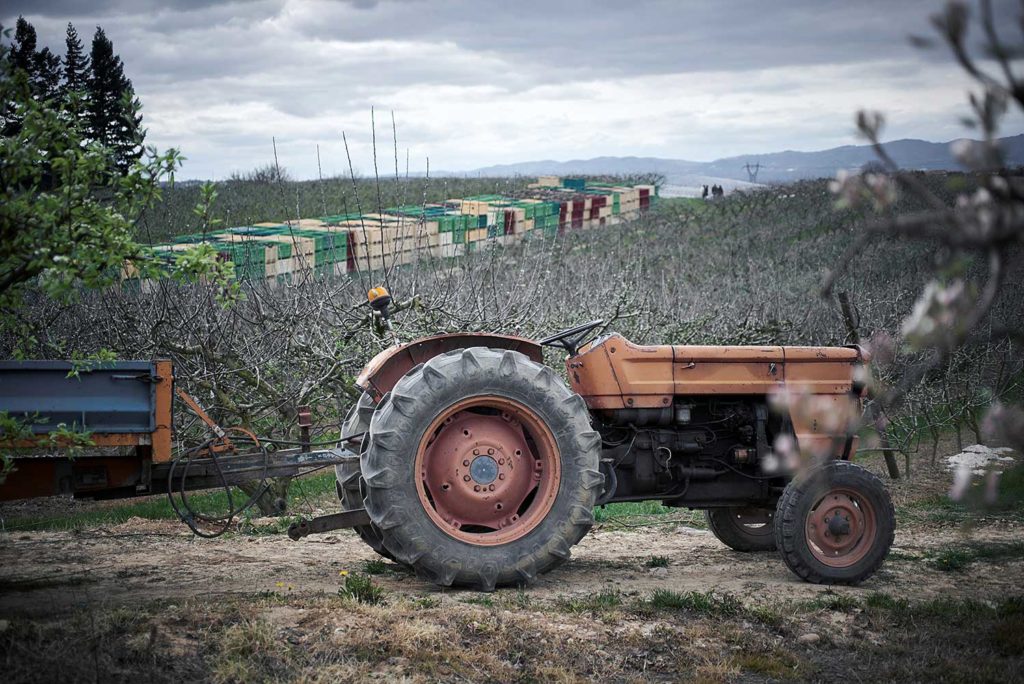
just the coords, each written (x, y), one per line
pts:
(835, 524)
(482, 469)
(743, 528)
(349, 479)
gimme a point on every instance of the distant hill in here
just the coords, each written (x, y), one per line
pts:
(775, 167)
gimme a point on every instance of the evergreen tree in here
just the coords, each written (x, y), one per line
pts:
(23, 51)
(112, 109)
(76, 66)
(76, 73)
(45, 77)
(42, 67)
(21, 58)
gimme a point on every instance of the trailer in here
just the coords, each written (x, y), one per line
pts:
(104, 430)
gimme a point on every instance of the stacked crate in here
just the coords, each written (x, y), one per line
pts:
(338, 243)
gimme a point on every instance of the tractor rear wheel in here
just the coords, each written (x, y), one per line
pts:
(349, 479)
(481, 469)
(743, 528)
(834, 524)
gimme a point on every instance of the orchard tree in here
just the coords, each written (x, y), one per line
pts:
(978, 242)
(65, 221)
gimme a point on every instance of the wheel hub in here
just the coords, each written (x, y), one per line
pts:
(483, 470)
(479, 470)
(840, 528)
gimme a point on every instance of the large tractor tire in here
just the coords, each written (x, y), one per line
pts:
(835, 524)
(743, 528)
(482, 469)
(349, 479)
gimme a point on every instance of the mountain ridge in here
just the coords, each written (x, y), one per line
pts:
(786, 165)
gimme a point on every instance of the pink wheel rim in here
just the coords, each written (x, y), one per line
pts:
(841, 528)
(488, 470)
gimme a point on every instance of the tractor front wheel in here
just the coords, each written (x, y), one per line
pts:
(481, 469)
(834, 524)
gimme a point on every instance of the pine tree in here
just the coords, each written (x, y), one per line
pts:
(76, 66)
(21, 57)
(42, 67)
(45, 78)
(23, 51)
(113, 111)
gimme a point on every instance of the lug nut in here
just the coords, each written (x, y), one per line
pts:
(490, 487)
(466, 478)
(490, 452)
(501, 461)
(476, 488)
(465, 462)
(501, 476)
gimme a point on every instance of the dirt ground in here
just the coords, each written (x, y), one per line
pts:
(269, 583)
(50, 572)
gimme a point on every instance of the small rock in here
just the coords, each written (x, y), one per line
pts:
(809, 638)
(659, 572)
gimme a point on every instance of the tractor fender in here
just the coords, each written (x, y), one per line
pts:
(387, 367)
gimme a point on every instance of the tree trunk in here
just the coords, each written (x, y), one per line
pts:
(273, 501)
(852, 322)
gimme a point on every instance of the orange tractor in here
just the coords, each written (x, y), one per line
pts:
(478, 466)
(469, 460)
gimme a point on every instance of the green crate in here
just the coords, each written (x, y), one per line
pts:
(341, 218)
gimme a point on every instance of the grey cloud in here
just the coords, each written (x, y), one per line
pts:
(207, 69)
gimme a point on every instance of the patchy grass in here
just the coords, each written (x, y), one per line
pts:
(657, 562)
(631, 509)
(249, 651)
(882, 601)
(375, 566)
(707, 603)
(833, 601)
(956, 558)
(425, 602)
(362, 589)
(937, 508)
(773, 664)
(303, 494)
(601, 602)
(153, 508)
(695, 637)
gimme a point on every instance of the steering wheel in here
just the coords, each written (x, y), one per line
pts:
(571, 339)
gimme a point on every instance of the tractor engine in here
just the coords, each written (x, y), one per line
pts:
(673, 452)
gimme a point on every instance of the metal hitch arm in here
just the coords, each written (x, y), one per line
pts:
(326, 523)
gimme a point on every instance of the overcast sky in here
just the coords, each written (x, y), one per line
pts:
(478, 83)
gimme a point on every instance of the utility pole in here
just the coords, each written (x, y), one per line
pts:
(752, 171)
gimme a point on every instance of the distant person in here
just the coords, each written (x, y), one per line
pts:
(704, 192)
